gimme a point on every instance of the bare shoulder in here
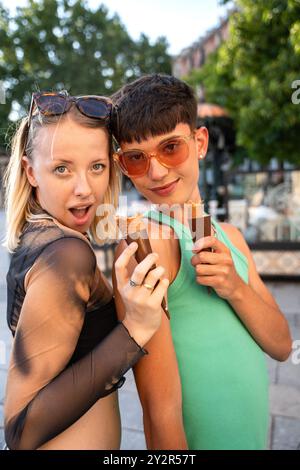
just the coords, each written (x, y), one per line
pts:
(230, 229)
(239, 242)
(237, 238)
(255, 280)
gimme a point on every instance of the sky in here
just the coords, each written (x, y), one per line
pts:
(181, 21)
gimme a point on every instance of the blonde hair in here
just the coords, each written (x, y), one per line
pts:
(20, 201)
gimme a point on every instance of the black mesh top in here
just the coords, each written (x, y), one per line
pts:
(69, 349)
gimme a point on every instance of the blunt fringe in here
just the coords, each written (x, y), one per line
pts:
(152, 105)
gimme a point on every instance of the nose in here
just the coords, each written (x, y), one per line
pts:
(156, 170)
(82, 186)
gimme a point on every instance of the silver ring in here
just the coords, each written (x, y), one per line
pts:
(133, 284)
(148, 286)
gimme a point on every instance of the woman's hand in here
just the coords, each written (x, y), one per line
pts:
(142, 297)
(216, 268)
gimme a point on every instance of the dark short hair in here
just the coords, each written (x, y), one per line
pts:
(152, 105)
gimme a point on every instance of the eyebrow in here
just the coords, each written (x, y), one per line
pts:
(162, 141)
(168, 138)
(63, 160)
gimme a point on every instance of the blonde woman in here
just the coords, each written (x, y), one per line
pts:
(69, 351)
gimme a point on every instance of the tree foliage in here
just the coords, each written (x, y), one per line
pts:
(64, 44)
(252, 73)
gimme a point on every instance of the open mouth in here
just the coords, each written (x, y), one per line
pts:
(80, 214)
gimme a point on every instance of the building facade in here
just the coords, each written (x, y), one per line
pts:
(194, 57)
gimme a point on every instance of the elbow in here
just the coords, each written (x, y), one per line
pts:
(14, 433)
(284, 355)
(284, 352)
(283, 344)
(11, 439)
(13, 442)
(165, 430)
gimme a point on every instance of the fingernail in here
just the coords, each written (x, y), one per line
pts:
(198, 245)
(133, 245)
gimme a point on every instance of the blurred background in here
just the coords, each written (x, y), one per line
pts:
(243, 60)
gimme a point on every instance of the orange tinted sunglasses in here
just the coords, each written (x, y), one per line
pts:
(170, 153)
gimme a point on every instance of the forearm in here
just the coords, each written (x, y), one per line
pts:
(73, 392)
(165, 433)
(264, 322)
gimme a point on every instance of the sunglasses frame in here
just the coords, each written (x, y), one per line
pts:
(119, 153)
(69, 100)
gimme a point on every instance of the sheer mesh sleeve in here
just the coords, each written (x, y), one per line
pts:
(44, 395)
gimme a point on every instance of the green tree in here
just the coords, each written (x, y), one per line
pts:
(252, 73)
(4, 70)
(64, 44)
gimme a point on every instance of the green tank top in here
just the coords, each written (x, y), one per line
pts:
(223, 370)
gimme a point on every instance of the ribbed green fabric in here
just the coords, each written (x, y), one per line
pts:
(223, 370)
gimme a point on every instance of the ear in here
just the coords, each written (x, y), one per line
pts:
(27, 165)
(202, 139)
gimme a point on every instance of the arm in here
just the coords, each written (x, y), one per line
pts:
(44, 395)
(158, 384)
(252, 302)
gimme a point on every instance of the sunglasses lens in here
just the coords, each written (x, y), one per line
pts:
(94, 108)
(173, 152)
(51, 104)
(170, 154)
(133, 163)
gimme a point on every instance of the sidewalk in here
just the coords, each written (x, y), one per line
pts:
(284, 377)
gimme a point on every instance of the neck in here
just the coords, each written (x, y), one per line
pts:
(195, 196)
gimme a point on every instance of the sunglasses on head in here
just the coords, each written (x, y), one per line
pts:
(57, 103)
(170, 153)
